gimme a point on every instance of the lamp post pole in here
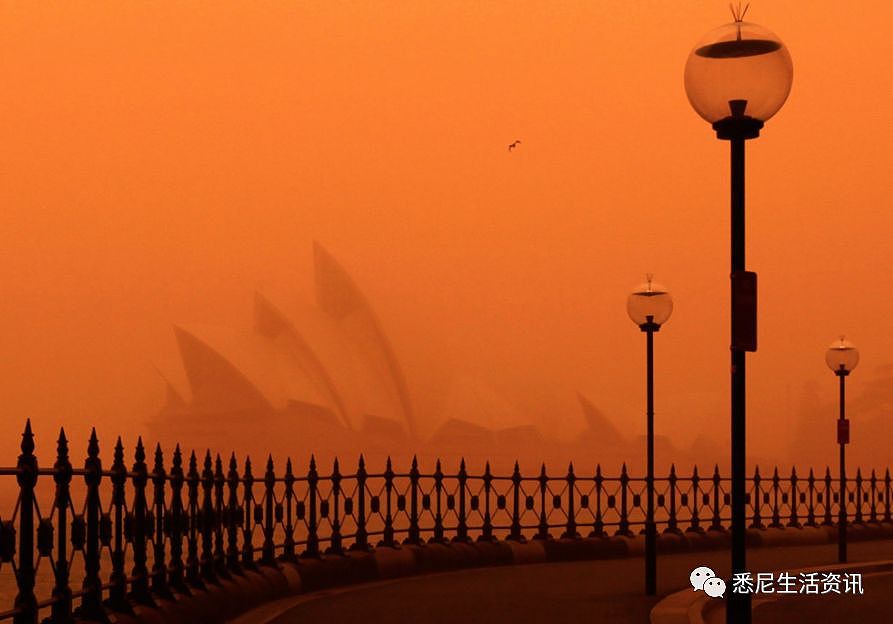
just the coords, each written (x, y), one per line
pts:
(649, 327)
(649, 306)
(738, 128)
(842, 358)
(842, 439)
(736, 78)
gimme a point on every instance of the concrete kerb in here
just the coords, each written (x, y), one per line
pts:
(252, 588)
(692, 607)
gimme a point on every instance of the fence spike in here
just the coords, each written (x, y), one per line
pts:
(27, 439)
(92, 445)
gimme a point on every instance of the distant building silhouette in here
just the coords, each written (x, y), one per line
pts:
(326, 374)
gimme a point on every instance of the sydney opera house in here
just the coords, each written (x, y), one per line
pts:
(325, 378)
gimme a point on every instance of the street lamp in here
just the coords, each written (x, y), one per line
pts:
(737, 77)
(649, 306)
(842, 357)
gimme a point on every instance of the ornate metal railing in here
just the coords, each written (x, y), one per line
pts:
(114, 537)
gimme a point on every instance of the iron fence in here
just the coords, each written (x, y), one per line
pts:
(115, 537)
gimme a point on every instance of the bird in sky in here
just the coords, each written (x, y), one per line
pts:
(514, 145)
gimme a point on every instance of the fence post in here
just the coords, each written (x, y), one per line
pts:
(438, 515)
(162, 526)
(776, 516)
(269, 549)
(795, 495)
(810, 517)
(571, 530)
(26, 477)
(248, 517)
(139, 588)
(696, 503)
(859, 495)
(873, 517)
(515, 534)
(118, 591)
(598, 523)
(91, 602)
(673, 522)
(414, 533)
(288, 550)
(62, 471)
(388, 535)
(757, 522)
(828, 496)
(716, 521)
(361, 541)
(312, 549)
(487, 528)
(193, 567)
(207, 521)
(543, 531)
(176, 571)
(887, 496)
(234, 513)
(221, 514)
(462, 520)
(159, 568)
(335, 546)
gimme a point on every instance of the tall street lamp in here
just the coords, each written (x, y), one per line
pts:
(649, 306)
(737, 77)
(842, 357)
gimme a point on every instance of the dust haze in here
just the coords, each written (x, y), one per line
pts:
(164, 166)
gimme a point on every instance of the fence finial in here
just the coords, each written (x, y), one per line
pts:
(27, 439)
(62, 444)
(92, 445)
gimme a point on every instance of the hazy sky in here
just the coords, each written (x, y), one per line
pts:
(160, 161)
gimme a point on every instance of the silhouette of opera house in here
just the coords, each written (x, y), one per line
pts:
(327, 377)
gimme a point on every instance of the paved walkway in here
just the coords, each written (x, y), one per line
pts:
(875, 605)
(606, 591)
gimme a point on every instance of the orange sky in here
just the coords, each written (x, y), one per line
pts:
(160, 161)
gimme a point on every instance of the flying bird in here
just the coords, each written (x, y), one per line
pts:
(514, 145)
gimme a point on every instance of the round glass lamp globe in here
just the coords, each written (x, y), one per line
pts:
(842, 355)
(649, 302)
(741, 63)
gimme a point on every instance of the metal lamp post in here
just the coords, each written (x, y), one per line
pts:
(737, 77)
(842, 357)
(649, 306)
